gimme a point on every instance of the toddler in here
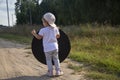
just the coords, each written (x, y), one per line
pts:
(49, 34)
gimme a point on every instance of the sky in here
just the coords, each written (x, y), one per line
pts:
(3, 12)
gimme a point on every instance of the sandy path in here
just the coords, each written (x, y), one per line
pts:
(16, 63)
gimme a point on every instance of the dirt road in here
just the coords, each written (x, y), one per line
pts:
(17, 63)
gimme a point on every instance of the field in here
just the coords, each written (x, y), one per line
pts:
(97, 47)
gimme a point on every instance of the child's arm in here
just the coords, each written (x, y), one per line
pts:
(58, 33)
(36, 35)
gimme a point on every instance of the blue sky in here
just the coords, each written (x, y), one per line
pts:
(3, 12)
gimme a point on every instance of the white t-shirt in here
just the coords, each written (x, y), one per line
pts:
(49, 38)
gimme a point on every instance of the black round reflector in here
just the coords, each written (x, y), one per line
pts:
(64, 48)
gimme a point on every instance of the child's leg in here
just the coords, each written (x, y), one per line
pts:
(49, 63)
(56, 60)
(57, 63)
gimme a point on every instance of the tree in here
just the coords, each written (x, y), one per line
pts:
(69, 12)
(26, 11)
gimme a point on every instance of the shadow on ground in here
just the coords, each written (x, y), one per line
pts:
(43, 77)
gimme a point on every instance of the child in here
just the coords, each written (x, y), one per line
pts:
(50, 33)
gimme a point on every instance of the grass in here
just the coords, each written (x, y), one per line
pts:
(99, 47)
(76, 68)
(101, 76)
(17, 38)
(96, 46)
(19, 33)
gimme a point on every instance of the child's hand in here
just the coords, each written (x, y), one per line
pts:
(33, 31)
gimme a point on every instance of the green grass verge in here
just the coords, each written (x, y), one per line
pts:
(101, 76)
(98, 47)
(17, 38)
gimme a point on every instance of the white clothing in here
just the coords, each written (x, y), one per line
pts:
(49, 38)
(52, 55)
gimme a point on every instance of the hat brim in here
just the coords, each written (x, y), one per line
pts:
(52, 25)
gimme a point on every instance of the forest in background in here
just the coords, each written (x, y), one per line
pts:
(69, 12)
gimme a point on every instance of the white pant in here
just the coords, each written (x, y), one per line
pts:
(52, 55)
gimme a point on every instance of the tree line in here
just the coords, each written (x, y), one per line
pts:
(69, 12)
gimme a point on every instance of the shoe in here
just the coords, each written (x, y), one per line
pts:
(50, 73)
(59, 73)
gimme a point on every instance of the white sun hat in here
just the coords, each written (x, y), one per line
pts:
(50, 18)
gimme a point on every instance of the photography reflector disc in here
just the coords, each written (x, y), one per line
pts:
(64, 48)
